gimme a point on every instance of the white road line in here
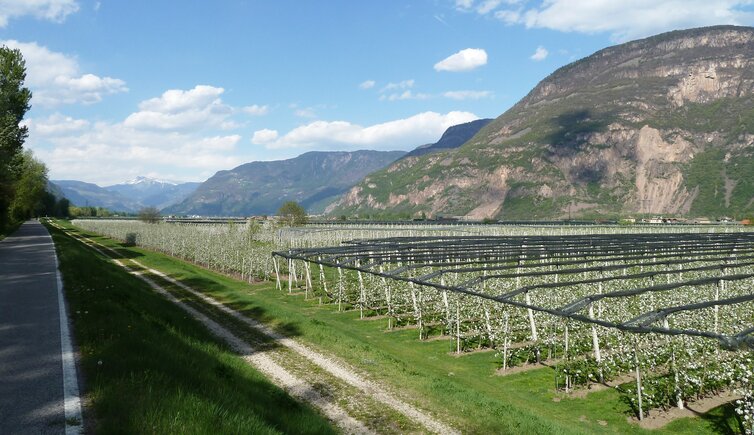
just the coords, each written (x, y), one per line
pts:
(74, 420)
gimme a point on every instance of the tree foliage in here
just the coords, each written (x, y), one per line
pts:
(74, 211)
(30, 189)
(150, 215)
(14, 103)
(292, 214)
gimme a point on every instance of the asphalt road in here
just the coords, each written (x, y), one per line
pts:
(31, 370)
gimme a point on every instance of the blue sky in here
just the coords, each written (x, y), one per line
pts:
(182, 89)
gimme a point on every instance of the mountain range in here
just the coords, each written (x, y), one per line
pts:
(313, 179)
(662, 125)
(130, 196)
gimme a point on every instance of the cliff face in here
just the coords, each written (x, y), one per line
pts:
(663, 125)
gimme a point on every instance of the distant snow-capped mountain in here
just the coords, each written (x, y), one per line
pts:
(148, 181)
(129, 196)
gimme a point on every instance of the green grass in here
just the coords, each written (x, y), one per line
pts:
(463, 391)
(150, 368)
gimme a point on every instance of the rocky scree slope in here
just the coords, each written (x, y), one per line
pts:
(662, 125)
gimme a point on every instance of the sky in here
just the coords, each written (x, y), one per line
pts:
(181, 89)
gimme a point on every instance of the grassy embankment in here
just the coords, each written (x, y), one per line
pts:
(150, 368)
(462, 390)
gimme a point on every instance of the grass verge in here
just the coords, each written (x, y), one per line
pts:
(463, 391)
(150, 368)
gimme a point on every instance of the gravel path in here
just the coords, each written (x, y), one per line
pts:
(277, 374)
(336, 368)
(265, 364)
(280, 376)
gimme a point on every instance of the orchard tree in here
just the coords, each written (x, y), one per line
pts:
(292, 214)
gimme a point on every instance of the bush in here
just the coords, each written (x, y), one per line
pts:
(130, 239)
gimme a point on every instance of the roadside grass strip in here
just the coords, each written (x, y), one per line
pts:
(372, 413)
(281, 377)
(151, 368)
(355, 392)
(336, 368)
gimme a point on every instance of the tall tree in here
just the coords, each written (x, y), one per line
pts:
(14, 103)
(150, 215)
(29, 193)
(291, 214)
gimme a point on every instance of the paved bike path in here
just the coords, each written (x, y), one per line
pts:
(37, 378)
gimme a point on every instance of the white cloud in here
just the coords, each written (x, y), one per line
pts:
(401, 91)
(256, 110)
(178, 132)
(197, 108)
(57, 125)
(306, 112)
(488, 6)
(405, 95)
(485, 6)
(465, 60)
(55, 78)
(464, 4)
(50, 10)
(108, 153)
(367, 84)
(539, 54)
(264, 136)
(625, 19)
(467, 95)
(508, 16)
(405, 84)
(399, 134)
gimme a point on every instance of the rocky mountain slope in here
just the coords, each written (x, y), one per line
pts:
(662, 125)
(312, 179)
(453, 137)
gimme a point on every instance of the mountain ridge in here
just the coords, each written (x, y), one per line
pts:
(453, 137)
(125, 197)
(661, 125)
(312, 179)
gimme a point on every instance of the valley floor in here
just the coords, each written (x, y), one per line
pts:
(356, 373)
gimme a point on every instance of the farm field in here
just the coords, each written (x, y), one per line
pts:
(470, 390)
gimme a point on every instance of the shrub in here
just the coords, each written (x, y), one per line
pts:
(130, 239)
